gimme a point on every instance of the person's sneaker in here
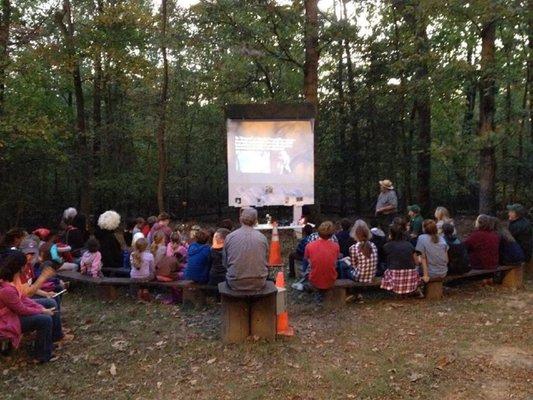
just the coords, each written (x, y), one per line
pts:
(298, 286)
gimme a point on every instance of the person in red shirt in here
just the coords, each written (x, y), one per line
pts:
(322, 255)
(483, 244)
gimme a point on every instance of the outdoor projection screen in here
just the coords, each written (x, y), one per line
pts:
(270, 161)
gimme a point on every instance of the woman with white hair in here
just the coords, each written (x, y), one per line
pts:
(110, 239)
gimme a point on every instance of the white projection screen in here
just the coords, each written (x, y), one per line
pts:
(270, 162)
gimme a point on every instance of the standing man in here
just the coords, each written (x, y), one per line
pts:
(245, 255)
(520, 228)
(387, 204)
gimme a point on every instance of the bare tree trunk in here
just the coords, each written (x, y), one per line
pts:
(530, 67)
(5, 24)
(97, 106)
(417, 22)
(470, 92)
(85, 151)
(161, 129)
(423, 104)
(487, 158)
(353, 122)
(312, 53)
(342, 132)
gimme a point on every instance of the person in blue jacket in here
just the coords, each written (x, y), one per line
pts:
(198, 258)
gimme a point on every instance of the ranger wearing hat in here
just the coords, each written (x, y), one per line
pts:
(520, 228)
(387, 203)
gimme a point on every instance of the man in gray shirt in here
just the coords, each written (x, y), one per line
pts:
(245, 255)
(387, 204)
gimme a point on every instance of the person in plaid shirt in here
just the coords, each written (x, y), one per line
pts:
(401, 275)
(363, 254)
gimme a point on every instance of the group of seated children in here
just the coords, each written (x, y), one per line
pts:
(414, 251)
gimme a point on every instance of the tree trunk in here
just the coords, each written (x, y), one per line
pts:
(423, 104)
(97, 101)
(470, 92)
(417, 23)
(530, 67)
(85, 151)
(5, 24)
(342, 132)
(311, 52)
(161, 129)
(353, 122)
(487, 158)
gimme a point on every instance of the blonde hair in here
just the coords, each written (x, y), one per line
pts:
(362, 234)
(159, 237)
(442, 214)
(141, 245)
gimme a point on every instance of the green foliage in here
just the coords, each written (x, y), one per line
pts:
(228, 51)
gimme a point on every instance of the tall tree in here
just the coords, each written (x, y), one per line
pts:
(312, 52)
(5, 24)
(65, 22)
(161, 129)
(417, 20)
(487, 108)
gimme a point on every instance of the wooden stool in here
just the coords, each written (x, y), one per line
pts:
(514, 278)
(434, 289)
(247, 313)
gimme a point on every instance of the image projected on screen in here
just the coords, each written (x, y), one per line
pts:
(270, 162)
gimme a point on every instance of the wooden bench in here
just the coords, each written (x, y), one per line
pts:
(513, 278)
(247, 313)
(193, 293)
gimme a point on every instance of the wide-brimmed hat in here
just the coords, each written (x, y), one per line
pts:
(387, 184)
(517, 208)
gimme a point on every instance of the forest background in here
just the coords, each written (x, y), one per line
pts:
(115, 104)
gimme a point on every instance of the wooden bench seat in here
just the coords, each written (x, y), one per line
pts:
(434, 288)
(248, 313)
(193, 293)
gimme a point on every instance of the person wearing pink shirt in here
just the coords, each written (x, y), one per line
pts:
(19, 314)
(91, 260)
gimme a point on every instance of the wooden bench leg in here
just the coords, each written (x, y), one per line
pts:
(193, 297)
(109, 292)
(514, 278)
(263, 317)
(434, 290)
(235, 320)
(528, 267)
(335, 297)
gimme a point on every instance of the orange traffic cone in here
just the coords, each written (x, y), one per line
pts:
(274, 256)
(282, 326)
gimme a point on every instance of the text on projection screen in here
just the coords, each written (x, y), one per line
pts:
(270, 162)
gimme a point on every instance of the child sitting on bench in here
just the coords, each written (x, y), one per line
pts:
(91, 260)
(217, 273)
(142, 266)
(322, 255)
(198, 258)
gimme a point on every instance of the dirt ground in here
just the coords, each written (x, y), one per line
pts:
(474, 344)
